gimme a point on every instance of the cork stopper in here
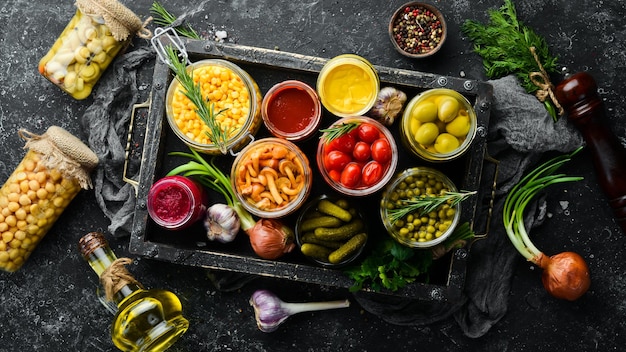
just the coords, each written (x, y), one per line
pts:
(63, 151)
(91, 242)
(121, 21)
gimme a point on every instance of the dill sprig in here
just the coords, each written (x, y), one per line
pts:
(165, 18)
(425, 204)
(504, 45)
(329, 134)
(204, 108)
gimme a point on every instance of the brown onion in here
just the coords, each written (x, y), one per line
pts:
(270, 239)
(565, 275)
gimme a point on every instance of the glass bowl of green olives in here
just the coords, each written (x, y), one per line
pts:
(415, 209)
(331, 232)
(438, 125)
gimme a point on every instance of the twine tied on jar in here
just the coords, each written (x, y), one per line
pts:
(63, 151)
(121, 21)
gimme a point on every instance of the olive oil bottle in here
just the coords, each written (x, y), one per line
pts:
(146, 319)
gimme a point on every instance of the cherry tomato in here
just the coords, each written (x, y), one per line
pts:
(372, 173)
(368, 133)
(351, 175)
(335, 175)
(361, 151)
(344, 143)
(336, 160)
(381, 151)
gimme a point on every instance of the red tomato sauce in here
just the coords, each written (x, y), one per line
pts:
(291, 110)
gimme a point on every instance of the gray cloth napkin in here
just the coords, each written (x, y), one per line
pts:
(520, 131)
(105, 123)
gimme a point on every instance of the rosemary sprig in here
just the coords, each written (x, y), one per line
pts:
(329, 134)
(164, 18)
(204, 108)
(426, 204)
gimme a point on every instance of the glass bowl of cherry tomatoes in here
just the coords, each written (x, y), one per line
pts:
(357, 155)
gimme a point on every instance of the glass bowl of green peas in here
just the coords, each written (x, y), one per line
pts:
(416, 208)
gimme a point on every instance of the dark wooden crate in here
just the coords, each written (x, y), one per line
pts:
(268, 67)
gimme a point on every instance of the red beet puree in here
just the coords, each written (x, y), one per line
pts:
(175, 202)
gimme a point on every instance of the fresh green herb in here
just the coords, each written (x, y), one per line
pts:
(209, 175)
(426, 204)
(505, 47)
(204, 108)
(393, 266)
(565, 275)
(165, 18)
(329, 134)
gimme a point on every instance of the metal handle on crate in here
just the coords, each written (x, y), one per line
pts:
(492, 196)
(174, 39)
(129, 139)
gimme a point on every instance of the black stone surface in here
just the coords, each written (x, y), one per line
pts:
(50, 304)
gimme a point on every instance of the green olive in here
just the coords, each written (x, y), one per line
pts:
(446, 143)
(425, 111)
(427, 133)
(460, 126)
(448, 109)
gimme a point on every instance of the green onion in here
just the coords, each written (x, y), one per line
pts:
(566, 274)
(209, 175)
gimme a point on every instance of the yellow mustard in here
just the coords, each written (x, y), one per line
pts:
(348, 85)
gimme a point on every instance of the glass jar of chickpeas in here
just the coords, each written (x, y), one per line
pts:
(55, 168)
(235, 99)
(97, 32)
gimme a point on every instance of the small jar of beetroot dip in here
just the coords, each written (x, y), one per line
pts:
(176, 202)
(291, 110)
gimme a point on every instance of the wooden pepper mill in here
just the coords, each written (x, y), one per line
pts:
(579, 97)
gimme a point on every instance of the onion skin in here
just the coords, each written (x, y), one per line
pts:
(270, 239)
(565, 275)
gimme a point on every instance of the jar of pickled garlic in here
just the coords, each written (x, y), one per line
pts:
(97, 32)
(55, 168)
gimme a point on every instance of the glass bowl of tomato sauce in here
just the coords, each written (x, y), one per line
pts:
(291, 110)
(357, 155)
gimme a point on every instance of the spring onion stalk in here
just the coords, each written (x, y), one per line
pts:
(269, 238)
(565, 275)
(270, 311)
(209, 175)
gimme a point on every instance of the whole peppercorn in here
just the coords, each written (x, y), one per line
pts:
(417, 30)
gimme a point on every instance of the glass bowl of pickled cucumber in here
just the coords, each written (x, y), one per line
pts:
(331, 231)
(408, 211)
(438, 125)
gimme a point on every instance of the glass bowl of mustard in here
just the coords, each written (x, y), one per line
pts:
(348, 85)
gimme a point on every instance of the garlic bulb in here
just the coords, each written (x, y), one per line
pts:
(221, 223)
(389, 104)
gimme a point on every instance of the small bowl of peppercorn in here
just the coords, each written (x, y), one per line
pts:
(417, 30)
